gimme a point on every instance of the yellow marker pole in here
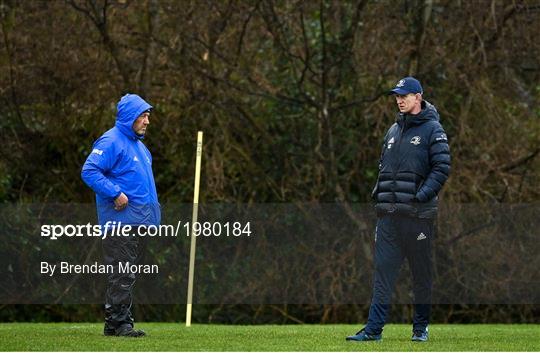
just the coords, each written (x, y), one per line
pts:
(193, 221)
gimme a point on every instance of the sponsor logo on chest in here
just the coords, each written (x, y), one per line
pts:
(136, 159)
(391, 142)
(441, 137)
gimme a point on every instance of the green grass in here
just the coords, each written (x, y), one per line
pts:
(176, 337)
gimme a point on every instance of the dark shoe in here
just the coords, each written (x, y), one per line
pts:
(420, 335)
(109, 331)
(361, 336)
(128, 331)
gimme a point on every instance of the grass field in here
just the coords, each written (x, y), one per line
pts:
(176, 337)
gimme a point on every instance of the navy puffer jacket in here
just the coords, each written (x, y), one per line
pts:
(414, 165)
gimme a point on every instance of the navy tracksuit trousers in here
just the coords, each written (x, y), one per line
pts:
(396, 238)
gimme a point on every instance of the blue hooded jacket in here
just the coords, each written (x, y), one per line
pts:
(120, 162)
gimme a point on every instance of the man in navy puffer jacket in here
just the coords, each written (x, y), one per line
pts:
(414, 165)
(119, 170)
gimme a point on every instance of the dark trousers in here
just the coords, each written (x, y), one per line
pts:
(118, 297)
(397, 238)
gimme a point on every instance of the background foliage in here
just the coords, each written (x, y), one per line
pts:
(290, 95)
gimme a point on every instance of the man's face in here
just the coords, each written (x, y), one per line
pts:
(408, 103)
(139, 125)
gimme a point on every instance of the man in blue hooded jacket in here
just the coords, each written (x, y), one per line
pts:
(414, 165)
(119, 170)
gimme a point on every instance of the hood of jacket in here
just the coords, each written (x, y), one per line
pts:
(129, 108)
(428, 112)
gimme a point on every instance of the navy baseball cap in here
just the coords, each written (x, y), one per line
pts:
(407, 85)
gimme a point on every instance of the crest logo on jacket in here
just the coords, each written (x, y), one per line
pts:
(416, 140)
(135, 159)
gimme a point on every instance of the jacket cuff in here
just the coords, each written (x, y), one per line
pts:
(118, 192)
(421, 196)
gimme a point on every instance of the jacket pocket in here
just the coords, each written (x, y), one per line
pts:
(418, 189)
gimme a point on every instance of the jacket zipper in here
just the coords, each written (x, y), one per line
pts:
(396, 153)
